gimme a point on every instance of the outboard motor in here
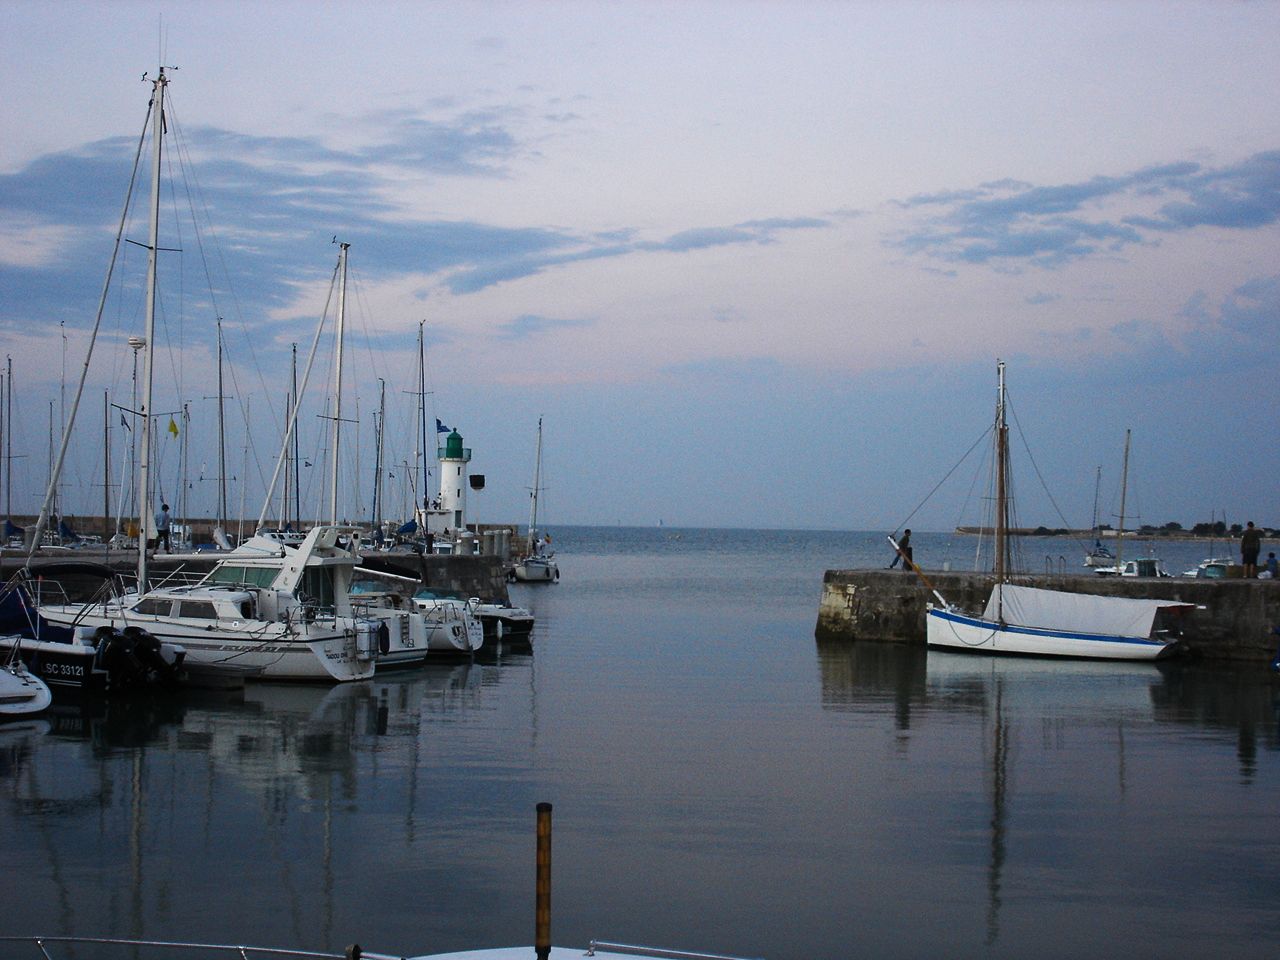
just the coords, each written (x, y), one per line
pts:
(116, 657)
(146, 650)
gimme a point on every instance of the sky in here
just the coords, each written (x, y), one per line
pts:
(751, 263)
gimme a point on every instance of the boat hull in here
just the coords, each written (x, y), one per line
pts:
(77, 666)
(955, 631)
(268, 649)
(21, 692)
(536, 571)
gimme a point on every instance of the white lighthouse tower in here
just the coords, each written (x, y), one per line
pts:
(454, 458)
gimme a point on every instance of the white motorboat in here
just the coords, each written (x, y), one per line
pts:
(101, 660)
(1139, 567)
(1212, 568)
(281, 611)
(22, 693)
(422, 626)
(499, 621)
(1021, 619)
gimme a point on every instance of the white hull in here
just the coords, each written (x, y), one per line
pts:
(271, 649)
(413, 638)
(21, 692)
(946, 628)
(536, 570)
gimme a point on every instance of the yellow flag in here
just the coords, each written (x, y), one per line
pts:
(173, 427)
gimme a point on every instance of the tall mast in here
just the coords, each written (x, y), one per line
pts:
(1124, 484)
(422, 418)
(106, 468)
(1002, 480)
(337, 379)
(222, 443)
(537, 479)
(8, 439)
(380, 428)
(297, 461)
(148, 373)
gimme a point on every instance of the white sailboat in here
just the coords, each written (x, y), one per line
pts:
(1020, 619)
(267, 610)
(539, 564)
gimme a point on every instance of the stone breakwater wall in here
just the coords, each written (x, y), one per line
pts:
(1234, 619)
(81, 573)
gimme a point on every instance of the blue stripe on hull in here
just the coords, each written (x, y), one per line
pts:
(1041, 641)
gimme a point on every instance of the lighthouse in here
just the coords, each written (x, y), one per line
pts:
(454, 458)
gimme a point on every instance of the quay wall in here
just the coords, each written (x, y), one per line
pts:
(1234, 619)
(471, 576)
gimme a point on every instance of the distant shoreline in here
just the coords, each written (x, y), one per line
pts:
(1111, 535)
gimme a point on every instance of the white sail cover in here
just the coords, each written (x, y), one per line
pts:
(1076, 612)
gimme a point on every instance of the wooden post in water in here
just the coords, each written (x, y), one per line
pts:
(542, 910)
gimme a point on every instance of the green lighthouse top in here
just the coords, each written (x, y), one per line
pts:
(453, 448)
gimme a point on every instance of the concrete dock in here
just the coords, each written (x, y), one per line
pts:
(471, 576)
(1233, 619)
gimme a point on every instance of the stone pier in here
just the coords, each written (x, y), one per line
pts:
(1233, 619)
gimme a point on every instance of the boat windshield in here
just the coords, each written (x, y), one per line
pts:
(236, 574)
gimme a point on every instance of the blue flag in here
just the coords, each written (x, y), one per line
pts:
(441, 428)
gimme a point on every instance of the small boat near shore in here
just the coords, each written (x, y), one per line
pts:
(22, 693)
(539, 563)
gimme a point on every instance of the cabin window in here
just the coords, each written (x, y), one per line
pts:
(317, 586)
(199, 609)
(153, 607)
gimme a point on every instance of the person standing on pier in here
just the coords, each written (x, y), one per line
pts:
(1250, 547)
(162, 528)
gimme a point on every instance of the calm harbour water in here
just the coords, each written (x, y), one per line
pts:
(720, 781)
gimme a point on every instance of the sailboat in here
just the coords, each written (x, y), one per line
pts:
(1149, 566)
(538, 565)
(272, 613)
(1022, 619)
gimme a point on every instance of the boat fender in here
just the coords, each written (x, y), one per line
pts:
(497, 629)
(384, 637)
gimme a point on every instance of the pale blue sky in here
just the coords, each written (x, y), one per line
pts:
(752, 262)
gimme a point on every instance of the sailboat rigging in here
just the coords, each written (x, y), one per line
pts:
(538, 565)
(1022, 619)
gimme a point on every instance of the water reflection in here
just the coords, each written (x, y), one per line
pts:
(147, 794)
(1058, 751)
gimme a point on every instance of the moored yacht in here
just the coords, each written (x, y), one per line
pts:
(282, 611)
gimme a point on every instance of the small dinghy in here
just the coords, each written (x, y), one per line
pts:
(22, 693)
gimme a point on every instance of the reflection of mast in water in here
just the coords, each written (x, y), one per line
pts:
(999, 788)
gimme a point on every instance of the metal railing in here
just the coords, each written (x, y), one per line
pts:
(658, 952)
(41, 944)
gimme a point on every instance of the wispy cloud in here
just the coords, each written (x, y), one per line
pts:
(530, 325)
(276, 201)
(1006, 223)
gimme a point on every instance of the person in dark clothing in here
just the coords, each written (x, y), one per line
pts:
(904, 552)
(1250, 547)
